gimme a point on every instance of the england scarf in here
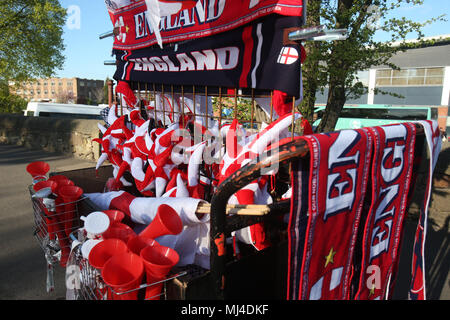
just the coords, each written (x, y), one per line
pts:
(321, 266)
(417, 290)
(176, 21)
(254, 56)
(391, 176)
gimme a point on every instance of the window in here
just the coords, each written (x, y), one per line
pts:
(363, 77)
(410, 77)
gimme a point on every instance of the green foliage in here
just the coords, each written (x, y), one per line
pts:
(11, 103)
(241, 107)
(335, 64)
(31, 41)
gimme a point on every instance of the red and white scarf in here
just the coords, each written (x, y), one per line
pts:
(339, 168)
(391, 178)
(417, 290)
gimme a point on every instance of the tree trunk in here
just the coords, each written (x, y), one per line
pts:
(338, 70)
(310, 68)
(310, 85)
(335, 104)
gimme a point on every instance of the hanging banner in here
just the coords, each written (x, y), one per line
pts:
(254, 56)
(338, 177)
(206, 18)
(391, 176)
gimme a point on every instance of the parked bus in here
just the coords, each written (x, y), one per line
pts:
(366, 115)
(76, 111)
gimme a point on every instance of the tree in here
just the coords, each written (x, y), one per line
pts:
(65, 96)
(9, 102)
(335, 64)
(31, 41)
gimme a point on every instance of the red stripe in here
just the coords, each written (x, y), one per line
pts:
(247, 61)
(130, 67)
(122, 203)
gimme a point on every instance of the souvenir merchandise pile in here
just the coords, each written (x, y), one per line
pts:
(172, 152)
(170, 175)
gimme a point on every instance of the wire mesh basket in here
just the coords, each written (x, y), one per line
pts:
(90, 285)
(163, 102)
(53, 223)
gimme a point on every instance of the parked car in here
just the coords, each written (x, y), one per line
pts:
(76, 111)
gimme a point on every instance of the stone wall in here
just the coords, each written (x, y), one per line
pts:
(67, 136)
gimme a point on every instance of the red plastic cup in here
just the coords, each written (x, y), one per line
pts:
(118, 230)
(104, 250)
(50, 222)
(38, 170)
(114, 215)
(69, 195)
(124, 272)
(137, 243)
(59, 225)
(166, 221)
(158, 261)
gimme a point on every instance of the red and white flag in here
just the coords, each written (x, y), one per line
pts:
(162, 8)
(288, 55)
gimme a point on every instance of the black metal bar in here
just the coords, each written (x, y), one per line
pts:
(225, 190)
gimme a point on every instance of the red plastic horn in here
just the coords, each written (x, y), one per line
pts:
(166, 221)
(69, 195)
(50, 222)
(137, 243)
(103, 251)
(45, 184)
(158, 261)
(124, 272)
(62, 180)
(38, 170)
(118, 230)
(59, 226)
(114, 215)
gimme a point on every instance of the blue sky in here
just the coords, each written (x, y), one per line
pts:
(87, 19)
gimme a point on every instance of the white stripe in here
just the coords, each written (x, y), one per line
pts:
(125, 70)
(316, 290)
(258, 53)
(336, 278)
(125, 66)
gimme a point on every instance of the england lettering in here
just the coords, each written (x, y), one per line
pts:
(210, 59)
(206, 18)
(391, 176)
(392, 166)
(341, 184)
